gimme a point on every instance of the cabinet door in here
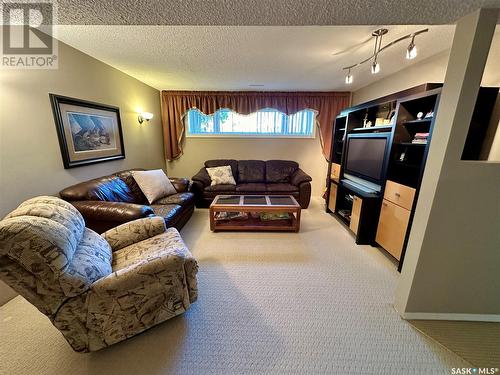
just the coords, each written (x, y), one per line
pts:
(392, 226)
(332, 200)
(357, 202)
(335, 175)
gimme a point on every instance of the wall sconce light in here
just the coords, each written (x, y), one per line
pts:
(144, 116)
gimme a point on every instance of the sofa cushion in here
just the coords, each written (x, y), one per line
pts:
(251, 187)
(222, 162)
(277, 187)
(167, 211)
(251, 171)
(220, 188)
(182, 199)
(91, 261)
(280, 170)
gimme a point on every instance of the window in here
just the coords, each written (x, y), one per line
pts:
(263, 123)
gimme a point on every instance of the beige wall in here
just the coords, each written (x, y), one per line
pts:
(307, 152)
(30, 159)
(432, 69)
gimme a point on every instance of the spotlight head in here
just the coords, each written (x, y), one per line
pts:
(375, 67)
(411, 51)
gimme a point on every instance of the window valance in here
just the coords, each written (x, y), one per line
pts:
(176, 103)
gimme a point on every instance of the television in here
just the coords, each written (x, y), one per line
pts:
(365, 159)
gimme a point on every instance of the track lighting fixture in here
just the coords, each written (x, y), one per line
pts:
(411, 51)
(378, 43)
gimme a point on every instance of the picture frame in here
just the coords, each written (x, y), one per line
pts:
(88, 132)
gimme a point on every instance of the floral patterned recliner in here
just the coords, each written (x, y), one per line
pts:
(96, 289)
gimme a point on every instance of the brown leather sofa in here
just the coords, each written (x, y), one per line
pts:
(109, 201)
(254, 177)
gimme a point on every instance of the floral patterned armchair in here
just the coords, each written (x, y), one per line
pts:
(97, 290)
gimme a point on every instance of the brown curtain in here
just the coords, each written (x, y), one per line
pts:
(176, 103)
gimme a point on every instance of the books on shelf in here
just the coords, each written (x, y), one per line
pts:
(420, 138)
(221, 216)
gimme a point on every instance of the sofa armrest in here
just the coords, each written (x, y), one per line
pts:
(299, 176)
(170, 268)
(181, 184)
(203, 177)
(134, 231)
(119, 212)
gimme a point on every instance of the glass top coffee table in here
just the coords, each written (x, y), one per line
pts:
(255, 213)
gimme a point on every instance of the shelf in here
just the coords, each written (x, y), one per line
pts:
(340, 130)
(412, 144)
(429, 119)
(374, 128)
(343, 216)
(406, 165)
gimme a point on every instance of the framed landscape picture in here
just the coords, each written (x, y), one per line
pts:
(88, 132)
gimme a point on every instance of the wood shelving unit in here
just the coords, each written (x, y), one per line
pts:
(392, 210)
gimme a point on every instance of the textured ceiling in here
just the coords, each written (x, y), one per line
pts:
(266, 12)
(235, 58)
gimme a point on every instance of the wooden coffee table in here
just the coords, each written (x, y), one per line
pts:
(253, 206)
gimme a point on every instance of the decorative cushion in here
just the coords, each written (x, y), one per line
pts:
(252, 171)
(281, 187)
(221, 175)
(251, 187)
(280, 170)
(223, 162)
(154, 184)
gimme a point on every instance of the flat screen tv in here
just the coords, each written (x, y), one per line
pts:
(366, 155)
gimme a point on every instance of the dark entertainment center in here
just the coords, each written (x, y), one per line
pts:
(378, 157)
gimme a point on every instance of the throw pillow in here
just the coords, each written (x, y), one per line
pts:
(154, 184)
(221, 175)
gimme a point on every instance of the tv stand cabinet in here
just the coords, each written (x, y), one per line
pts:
(358, 210)
(386, 220)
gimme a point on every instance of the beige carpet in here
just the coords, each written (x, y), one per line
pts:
(476, 342)
(306, 303)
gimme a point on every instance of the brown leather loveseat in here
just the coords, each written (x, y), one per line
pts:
(109, 201)
(254, 177)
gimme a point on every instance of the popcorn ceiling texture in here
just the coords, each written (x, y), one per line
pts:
(266, 12)
(233, 57)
